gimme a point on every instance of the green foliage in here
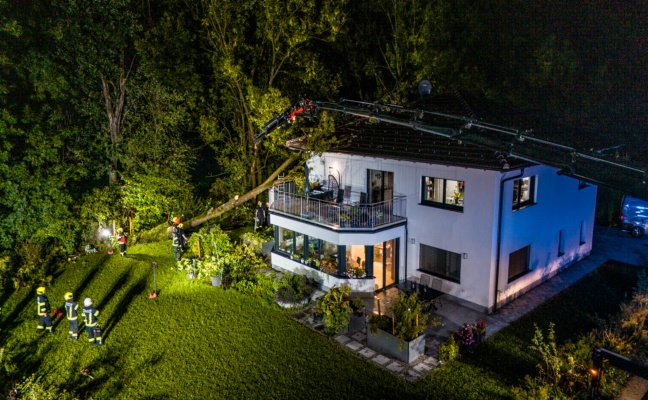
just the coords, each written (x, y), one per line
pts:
(33, 388)
(256, 239)
(449, 350)
(409, 320)
(243, 264)
(211, 240)
(334, 309)
(294, 288)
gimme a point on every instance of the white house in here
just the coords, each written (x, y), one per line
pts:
(394, 204)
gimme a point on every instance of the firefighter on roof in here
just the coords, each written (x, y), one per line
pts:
(72, 314)
(43, 308)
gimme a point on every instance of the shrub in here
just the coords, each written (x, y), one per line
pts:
(334, 309)
(409, 319)
(449, 350)
(294, 288)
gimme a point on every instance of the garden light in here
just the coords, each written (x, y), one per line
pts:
(154, 294)
(105, 232)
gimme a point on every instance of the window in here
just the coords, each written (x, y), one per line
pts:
(518, 263)
(285, 240)
(444, 193)
(523, 192)
(561, 243)
(441, 263)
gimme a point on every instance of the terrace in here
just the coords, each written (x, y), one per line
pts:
(340, 213)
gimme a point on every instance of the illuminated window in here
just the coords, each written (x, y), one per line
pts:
(523, 192)
(444, 193)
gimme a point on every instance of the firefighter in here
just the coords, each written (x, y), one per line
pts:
(43, 307)
(121, 238)
(72, 314)
(90, 317)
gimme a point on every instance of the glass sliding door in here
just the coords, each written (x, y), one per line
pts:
(385, 264)
(381, 185)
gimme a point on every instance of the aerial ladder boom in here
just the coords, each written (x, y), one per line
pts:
(522, 144)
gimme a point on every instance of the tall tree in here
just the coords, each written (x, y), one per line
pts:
(263, 55)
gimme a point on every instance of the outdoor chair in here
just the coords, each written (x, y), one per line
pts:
(437, 284)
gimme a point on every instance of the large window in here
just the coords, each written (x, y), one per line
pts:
(518, 263)
(442, 263)
(285, 240)
(443, 193)
(523, 192)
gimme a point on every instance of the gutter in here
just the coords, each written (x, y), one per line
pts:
(499, 234)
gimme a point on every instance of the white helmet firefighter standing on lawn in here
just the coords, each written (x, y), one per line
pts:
(90, 317)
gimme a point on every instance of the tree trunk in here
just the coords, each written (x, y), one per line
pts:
(238, 200)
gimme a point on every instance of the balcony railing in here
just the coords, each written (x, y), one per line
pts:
(346, 216)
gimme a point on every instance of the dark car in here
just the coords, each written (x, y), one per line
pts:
(634, 216)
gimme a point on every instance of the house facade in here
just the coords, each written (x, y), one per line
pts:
(396, 205)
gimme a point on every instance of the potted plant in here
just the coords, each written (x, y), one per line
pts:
(355, 272)
(213, 267)
(479, 330)
(314, 262)
(344, 218)
(357, 306)
(334, 309)
(329, 267)
(465, 337)
(400, 334)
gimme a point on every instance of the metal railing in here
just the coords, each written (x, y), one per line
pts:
(351, 216)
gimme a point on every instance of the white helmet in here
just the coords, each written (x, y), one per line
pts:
(87, 302)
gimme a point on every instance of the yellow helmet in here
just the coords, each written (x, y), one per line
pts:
(40, 290)
(68, 296)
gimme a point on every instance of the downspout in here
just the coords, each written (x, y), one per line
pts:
(406, 248)
(499, 234)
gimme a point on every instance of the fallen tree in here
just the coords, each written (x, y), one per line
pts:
(238, 200)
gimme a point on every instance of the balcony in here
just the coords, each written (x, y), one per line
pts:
(339, 216)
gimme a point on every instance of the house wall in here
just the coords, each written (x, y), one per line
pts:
(469, 233)
(559, 205)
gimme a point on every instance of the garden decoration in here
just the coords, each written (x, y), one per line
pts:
(154, 294)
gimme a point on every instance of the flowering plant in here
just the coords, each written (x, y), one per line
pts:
(355, 272)
(479, 328)
(464, 336)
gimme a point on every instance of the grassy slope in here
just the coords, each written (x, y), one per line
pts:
(196, 341)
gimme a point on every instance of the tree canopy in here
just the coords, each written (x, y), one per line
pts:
(117, 110)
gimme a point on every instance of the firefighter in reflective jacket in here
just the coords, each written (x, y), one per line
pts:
(90, 316)
(43, 307)
(72, 314)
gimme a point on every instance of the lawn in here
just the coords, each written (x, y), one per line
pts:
(199, 342)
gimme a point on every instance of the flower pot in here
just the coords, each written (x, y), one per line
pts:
(216, 280)
(389, 344)
(342, 223)
(111, 251)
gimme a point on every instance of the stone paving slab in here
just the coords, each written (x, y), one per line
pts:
(412, 375)
(353, 345)
(395, 367)
(380, 359)
(342, 339)
(422, 368)
(431, 361)
(359, 336)
(367, 352)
